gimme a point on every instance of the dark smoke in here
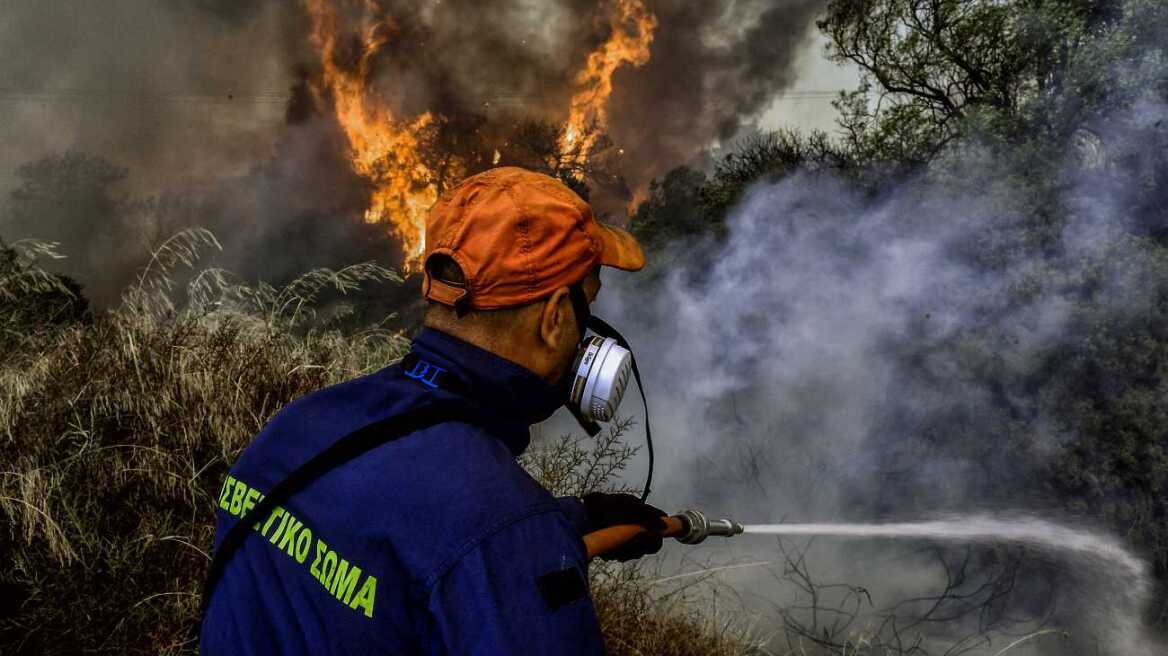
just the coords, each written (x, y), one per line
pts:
(715, 66)
(177, 91)
(204, 105)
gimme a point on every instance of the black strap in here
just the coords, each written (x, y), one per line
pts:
(585, 319)
(580, 307)
(601, 327)
(583, 313)
(347, 448)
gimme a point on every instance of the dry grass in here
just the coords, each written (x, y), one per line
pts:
(640, 620)
(116, 435)
(117, 430)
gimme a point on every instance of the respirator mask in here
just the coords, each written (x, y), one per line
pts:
(600, 373)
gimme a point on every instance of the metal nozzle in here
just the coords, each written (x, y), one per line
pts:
(698, 527)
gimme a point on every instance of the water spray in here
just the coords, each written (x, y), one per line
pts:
(1129, 572)
(693, 527)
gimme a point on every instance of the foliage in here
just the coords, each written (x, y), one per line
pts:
(674, 210)
(32, 298)
(769, 158)
(685, 204)
(933, 62)
(576, 466)
(936, 71)
(117, 432)
(638, 619)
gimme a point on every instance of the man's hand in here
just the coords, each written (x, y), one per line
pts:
(606, 510)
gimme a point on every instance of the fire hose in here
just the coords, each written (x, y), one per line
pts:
(689, 527)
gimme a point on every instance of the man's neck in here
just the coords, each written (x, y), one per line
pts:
(503, 346)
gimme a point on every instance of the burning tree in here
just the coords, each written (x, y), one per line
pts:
(409, 159)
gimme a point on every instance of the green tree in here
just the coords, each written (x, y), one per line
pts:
(934, 70)
(673, 210)
(770, 157)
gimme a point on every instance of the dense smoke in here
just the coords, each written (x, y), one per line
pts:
(193, 100)
(827, 363)
(104, 103)
(715, 66)
(177, 91)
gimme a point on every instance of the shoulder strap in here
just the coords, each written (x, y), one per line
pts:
(343, 450)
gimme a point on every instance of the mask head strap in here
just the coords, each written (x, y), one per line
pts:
(586, 320)
(601, 327)
(580, 307)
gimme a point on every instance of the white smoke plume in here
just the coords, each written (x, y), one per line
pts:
(812, 368)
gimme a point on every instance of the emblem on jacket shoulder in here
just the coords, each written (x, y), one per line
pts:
(426, 373)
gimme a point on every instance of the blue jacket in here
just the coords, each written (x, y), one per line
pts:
(436, 543)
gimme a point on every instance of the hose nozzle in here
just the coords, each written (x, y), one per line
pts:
(697, 527)
(689, 527)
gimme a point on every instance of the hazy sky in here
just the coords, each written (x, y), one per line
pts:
(808, 104)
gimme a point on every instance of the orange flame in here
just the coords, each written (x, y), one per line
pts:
(382, 150)
(385, 149)
(632, 34)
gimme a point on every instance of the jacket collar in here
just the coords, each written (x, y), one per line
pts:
(514, 395)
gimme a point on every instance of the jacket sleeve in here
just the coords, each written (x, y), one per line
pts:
(573, 507)
(522, 589)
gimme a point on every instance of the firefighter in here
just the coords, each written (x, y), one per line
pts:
(435, 540)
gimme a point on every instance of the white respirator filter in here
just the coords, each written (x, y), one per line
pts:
(601, 374)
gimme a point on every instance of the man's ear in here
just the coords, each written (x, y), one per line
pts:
(556, 321)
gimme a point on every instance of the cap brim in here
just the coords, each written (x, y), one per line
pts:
(618, 248)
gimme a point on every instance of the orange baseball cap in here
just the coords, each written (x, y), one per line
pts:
(518, 236)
